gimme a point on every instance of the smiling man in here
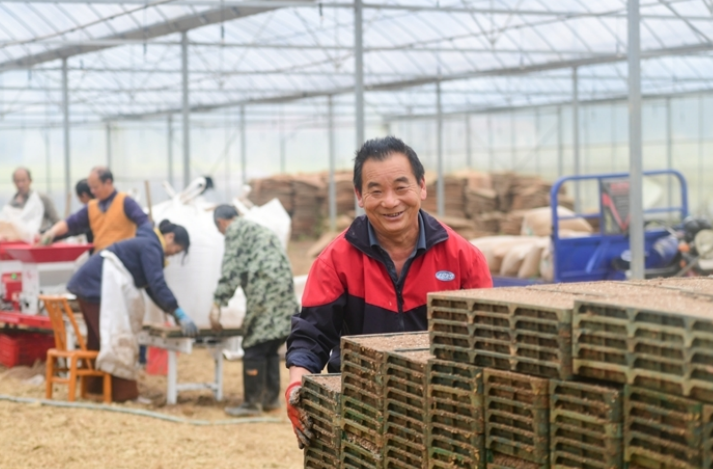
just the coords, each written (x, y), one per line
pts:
(375, 276)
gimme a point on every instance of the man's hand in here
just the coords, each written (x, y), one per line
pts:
(188, 327)
(301, 423)
(214, 318)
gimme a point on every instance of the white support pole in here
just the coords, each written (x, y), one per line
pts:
(332, 165)
(359, 72)
(491, 156)
(243, 150)
(108, 145)
(636, 211)
(169, 148)
(358, 82)
(283, 143)
(512, 141)
(65, 127)
(701, 178)
(669, 150)
(468, 144)
(575, 139)
(186, 111)
(172, 378)
(440, 183)
(560, 143)
(537, 140)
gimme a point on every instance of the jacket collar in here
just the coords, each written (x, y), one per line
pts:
(358, 233)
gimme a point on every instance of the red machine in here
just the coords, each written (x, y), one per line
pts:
(10, 288)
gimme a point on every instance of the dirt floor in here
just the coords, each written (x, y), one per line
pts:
(297, 252)
(36, 436)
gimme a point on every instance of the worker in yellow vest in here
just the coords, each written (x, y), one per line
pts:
(112, 216)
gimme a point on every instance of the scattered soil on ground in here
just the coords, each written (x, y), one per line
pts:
(41, 436)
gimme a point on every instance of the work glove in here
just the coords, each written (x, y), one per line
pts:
(301, 423)
(47, 238)
(214, 317)
(188, 327)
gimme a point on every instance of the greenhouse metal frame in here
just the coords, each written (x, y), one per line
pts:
(66, 63)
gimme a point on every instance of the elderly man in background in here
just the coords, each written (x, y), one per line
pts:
(112, 216)
(255, 260)
(29, 212)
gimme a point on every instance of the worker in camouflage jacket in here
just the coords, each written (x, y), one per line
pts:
(255, 260)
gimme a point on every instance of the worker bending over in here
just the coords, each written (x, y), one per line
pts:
(30, 212)
(255, 260)
(113, 216)
(107, 291)
(374, 277)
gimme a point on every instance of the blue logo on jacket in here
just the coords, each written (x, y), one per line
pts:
(445, 276)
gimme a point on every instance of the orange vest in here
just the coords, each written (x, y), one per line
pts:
(111, 226)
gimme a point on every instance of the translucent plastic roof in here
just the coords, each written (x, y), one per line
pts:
(124, 59)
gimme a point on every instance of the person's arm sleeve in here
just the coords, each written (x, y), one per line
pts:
(233, 269)
(79, 221)
(317, 328)
(133, 212)
(478, 272)
(50, 210)
(157, 289)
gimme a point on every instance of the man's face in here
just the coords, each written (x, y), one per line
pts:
(391, 196)
(22, 182)
(101, 190)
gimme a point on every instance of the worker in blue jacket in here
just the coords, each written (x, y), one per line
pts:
(141, 261)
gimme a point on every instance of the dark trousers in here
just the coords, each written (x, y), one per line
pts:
(266, 349)
(121, 389)
(261, 374)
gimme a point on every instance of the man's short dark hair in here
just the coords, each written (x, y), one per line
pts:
(224, 212)
(103, 173)
(22, 168)
(82, 187)
(380, 149)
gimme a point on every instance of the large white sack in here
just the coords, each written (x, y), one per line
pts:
(272, 215)
(193, 279)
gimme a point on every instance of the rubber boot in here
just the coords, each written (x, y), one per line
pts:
(254, 374)
(271, 398)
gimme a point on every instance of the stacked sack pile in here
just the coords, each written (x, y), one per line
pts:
(476, 204)
(591, 375)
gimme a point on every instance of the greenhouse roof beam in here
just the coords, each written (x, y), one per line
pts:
(180, 24)
(563, 14)
(426, 80)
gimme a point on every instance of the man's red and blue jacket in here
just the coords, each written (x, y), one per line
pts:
(353, 289)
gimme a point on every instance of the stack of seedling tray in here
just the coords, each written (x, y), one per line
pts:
(523, 330)
(585, 425)
(516, 408)
(662, 430)
(320, 397)
(662, 341)
(455, 428)
(363, 395)
(405, 409)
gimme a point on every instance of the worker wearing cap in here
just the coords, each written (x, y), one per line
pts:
(255, 260)
(113, 216)
(374, 277)
(32, 211)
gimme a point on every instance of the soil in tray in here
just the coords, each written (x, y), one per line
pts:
(332, 383)
(388, 343)
(519, 296)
